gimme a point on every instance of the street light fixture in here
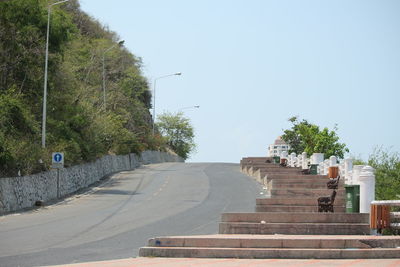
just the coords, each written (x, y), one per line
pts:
(45, 74)
(189, 107)
(154, 94)
(120, 43)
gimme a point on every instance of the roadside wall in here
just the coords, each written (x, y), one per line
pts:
(22, 192)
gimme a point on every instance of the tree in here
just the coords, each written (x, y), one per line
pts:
(387, 173)
(179, 133)
(307, 137)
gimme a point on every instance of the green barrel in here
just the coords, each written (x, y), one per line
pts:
(352, 198)
(277, 159)
(314, 169)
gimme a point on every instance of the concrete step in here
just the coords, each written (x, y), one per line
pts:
(277, 241)
(295, 217)
(269, 253)
(276, 184)
(255, 160)
(306, 181)
(280, 176)
(302, 192)
(294, 228)
(307, 201)
(292, 208)
(255, 170)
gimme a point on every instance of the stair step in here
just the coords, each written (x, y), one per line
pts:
(295, 192)
(292, 208)
(302, 181)
(307, 201)
(295, 217)
(294, 228)
(300, 185)
(269, 253)
(279, 176)
(277, 241)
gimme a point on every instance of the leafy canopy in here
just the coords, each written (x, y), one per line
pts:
(179, 133)
(307, 137)
(387, 173)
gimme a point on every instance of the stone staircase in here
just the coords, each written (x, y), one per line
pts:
(286, 224)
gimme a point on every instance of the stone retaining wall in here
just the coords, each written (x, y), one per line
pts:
(22, 192)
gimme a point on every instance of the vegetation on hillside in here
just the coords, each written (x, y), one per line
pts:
(307, 137)
(78, 122)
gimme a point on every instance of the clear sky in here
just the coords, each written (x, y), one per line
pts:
(252, 64)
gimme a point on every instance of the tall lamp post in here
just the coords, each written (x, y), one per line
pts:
(154, 95)
(45, 74)
(188, 108)
(104, 70)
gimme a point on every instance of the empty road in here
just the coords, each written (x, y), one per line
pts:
(113, 220)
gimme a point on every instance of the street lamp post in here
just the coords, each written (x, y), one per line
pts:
(104, 70)
(154, 95)
(188, 108)
(45, 74)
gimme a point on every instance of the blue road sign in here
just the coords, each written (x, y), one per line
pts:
(57, 159)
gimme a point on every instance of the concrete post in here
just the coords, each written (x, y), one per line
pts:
(356, 173)
(326, 166)
(348, 166)
(292, 159)
(304, 160)
(332, 161)
(367, 188)
(317, 158)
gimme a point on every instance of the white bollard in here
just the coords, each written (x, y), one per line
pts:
(332, 161)
(367, 188)
(356, 173)
(317, 158)
(299, 161)
(292, 156)
(304, 162)
(326, 166)
(321, 168)
(341, 168)
(348, 167)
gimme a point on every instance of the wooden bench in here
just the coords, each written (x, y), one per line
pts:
(333, 183)
(325, 204)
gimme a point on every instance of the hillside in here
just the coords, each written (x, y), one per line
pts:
(79, 121)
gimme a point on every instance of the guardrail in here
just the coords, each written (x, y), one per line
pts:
(382, 217)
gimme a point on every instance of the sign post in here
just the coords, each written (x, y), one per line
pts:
(57, 162)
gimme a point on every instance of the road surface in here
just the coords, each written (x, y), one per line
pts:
(113, 220)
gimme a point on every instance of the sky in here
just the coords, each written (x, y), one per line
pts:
(252, 64)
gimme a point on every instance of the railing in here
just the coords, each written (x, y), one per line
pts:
(382, 217)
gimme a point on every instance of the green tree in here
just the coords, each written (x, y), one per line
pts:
(179, 133)
(307, 137)
(387, 173)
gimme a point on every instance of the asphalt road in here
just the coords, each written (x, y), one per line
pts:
(114, 220)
